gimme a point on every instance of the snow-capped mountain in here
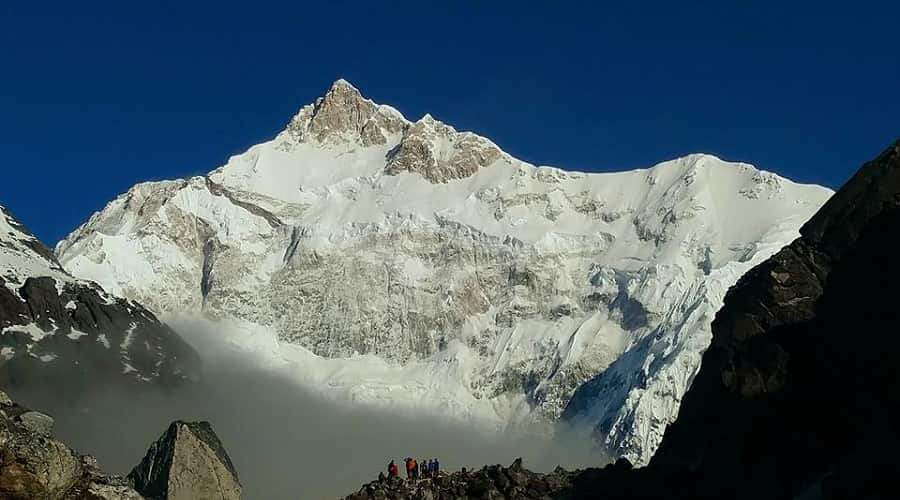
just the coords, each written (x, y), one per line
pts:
(405, 263)
(66, 334)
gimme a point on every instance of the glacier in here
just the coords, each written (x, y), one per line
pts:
(410, 265)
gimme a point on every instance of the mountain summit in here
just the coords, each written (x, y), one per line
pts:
(343, 114)
(407, 264)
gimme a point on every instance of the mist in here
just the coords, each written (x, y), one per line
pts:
(287, 441)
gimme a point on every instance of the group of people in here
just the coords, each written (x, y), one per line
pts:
(416, 470)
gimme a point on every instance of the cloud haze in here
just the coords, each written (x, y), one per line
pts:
(287, 441)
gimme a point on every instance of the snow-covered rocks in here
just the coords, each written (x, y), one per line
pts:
(56, 331)
(439, 153)
(453, 267)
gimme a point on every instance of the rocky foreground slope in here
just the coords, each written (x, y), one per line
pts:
(187, 463)
(796, 397)
(410, 265)
(494, 481)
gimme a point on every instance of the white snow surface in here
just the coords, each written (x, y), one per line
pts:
(19, 258)
(397, 263)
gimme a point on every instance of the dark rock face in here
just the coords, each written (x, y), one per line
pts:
(187, 462)
(491, 482)
(796, 396)
(86, 336)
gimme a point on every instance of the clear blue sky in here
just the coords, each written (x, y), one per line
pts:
(97, 96)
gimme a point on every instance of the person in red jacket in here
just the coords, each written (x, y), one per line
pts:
(410, 468)
(393, 470)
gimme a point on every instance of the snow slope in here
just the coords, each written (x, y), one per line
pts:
(409, 260)
(22, 255)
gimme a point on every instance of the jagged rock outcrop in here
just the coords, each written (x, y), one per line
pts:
(188, 462)
(439, 153)
(35, 466)
(797, 394)
(494, 482)
(64, 336)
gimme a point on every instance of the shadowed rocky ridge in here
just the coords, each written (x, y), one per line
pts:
(795, 396)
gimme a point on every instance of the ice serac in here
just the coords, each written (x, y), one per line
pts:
(67, 334)
(408, 264)
(187, 462)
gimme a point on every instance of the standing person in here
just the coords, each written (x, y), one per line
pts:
(410, 468)
(435, 467)
(423, 468)
(393, 470)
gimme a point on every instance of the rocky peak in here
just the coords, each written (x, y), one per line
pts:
(187, 462)
(344, 115)
(874, 188)
(439, 153)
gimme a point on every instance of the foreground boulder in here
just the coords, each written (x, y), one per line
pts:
(188, 462)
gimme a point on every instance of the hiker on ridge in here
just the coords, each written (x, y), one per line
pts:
(393, 470)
